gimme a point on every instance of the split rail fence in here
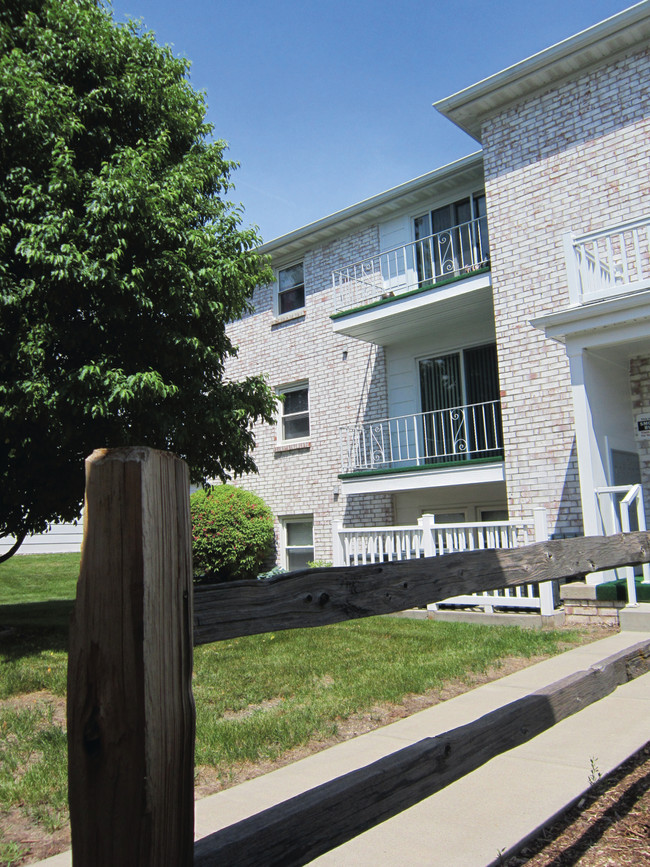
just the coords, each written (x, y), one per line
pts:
(130, 706)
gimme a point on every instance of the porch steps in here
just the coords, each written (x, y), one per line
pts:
(490, 811)
(635, 619)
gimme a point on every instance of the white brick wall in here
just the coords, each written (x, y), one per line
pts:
(347, 381)
(573, 159)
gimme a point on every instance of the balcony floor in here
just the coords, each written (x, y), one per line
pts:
(415, 314)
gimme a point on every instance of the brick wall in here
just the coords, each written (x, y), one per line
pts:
(347, 381)
(573, 159)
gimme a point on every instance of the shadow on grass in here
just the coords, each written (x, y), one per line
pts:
(34, 626)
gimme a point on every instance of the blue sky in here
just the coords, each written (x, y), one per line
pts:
(327, 103)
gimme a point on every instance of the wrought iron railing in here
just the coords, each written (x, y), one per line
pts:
(448, 435)
(609, 262)
(458, 251)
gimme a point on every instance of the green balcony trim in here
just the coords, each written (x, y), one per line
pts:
(362, 474)
(381, 302)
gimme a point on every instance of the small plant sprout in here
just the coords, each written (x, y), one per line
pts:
(594, 771)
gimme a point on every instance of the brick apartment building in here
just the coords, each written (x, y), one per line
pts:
(473, 344)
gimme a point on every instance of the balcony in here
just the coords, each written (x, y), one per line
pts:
(454, 254)
(442, 438)
(611, 262)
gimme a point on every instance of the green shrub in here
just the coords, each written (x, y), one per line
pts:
(232, 532)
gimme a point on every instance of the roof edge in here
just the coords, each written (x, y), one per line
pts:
(366, 205)
(468, 107)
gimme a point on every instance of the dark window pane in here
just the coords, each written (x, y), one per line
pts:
(296, 401)
(463, 211)
(289, 278)
(292, 299)
(296, 427)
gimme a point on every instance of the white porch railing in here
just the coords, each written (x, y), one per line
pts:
(457, 434)
(621, 509)
(459, 250)
(356, 546)
(609, 262)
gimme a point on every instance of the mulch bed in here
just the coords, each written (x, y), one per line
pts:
(608, 827)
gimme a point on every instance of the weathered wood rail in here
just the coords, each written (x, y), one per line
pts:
(130, 706)
(315, 597)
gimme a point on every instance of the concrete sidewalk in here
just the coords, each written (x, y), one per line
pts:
(488, 812)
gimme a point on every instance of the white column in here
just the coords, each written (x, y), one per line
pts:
(546, 596)
(338, 550)
(573, 274)
(426, 523)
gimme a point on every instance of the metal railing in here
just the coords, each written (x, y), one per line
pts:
(357, 546)
(458, 251)
(605, 263)
(460, 433)
(621, 509)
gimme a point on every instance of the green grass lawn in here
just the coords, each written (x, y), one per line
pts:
(256, 697)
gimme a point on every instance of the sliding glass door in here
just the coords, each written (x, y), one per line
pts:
(459, 394)
(448, 240)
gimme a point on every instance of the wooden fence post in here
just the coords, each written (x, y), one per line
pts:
(130, 705)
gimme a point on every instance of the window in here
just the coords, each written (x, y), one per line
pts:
(447, 517)
(298, 542)
(490, 515)
(294, 421)
(291, 289)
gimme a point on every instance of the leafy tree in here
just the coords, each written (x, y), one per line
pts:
(121, 261)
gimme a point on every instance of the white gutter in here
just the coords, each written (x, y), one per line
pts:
(467, 108)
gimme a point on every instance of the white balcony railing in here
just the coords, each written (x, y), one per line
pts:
(609, 262)
(621, 510)
(357, 546)
(458, 251)
(461, 433)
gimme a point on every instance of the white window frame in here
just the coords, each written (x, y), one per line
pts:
(284, 538)
(282, 416)
(278, 293)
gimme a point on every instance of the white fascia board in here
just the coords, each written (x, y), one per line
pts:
(566, 59)
(421, 479)
(598, 316)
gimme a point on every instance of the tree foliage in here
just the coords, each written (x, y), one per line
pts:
(232, 532)
(121, 261)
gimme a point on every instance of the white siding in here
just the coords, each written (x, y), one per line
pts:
(60, 539)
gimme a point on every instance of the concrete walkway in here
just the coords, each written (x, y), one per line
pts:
(488, 812)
